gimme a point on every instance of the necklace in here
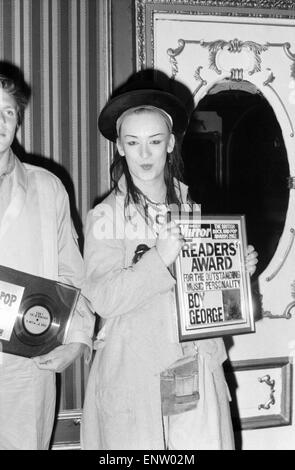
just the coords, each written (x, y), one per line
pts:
(155, 214)
(150, 201)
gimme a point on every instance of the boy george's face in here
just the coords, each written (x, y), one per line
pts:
(8, 121)
(144, 141)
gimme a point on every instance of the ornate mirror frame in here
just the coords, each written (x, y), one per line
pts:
(241, 42)
(147, 9)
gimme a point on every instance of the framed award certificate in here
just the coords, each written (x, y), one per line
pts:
(35, 312)
(213, 292)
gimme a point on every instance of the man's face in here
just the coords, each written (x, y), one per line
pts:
(144, 141)
(8, 121)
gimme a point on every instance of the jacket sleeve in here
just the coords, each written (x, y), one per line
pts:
(71, 270)
(113, 288)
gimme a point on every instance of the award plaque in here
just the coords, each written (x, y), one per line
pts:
(34, 312)
(213, 289)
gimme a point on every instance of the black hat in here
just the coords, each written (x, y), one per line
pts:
(141, 93)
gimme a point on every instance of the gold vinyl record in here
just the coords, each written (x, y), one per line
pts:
(43, 316)
(37, 321)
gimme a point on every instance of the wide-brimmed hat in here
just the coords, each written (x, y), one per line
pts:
(141, 93)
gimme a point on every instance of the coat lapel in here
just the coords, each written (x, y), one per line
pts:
(18, 194)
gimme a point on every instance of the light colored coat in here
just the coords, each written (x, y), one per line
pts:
(138, 340)
(36, 236)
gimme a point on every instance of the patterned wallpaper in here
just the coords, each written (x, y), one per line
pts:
(62, 47)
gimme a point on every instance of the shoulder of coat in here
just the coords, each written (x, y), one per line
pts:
(44, 176)
(114, 200)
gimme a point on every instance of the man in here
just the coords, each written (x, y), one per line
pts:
(36, 236)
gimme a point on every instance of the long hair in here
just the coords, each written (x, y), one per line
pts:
(173, 172)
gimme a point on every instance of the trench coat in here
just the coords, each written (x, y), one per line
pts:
(37, 236)
(138, 340)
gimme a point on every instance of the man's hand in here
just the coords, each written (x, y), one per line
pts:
(60, 358)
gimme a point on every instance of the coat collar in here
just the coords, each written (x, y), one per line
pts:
(20, 174)
(18, 194)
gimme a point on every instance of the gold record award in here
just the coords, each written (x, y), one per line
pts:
(34, 312)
